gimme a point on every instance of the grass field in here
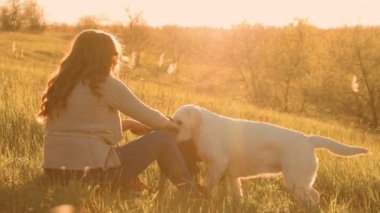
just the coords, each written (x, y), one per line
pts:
(345, 184)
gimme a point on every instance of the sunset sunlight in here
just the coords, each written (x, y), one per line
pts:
(188, 106)
(216, 13)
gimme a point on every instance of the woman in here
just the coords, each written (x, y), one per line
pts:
(81, 108)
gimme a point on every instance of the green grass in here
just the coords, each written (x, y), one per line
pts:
(345, 184)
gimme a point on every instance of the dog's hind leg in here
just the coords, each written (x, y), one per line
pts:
(308, 195)
(235, 186)
(299, 178)
(314, 194)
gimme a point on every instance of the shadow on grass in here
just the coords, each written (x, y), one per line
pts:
(37, 195)
(40, 195)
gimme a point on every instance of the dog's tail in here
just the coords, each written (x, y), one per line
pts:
(335, 147)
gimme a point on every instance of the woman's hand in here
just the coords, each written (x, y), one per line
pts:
(135, 127)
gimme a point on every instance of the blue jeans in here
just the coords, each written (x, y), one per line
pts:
(135, 156)
(158, 146)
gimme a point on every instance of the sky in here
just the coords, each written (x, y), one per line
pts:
(220, 13)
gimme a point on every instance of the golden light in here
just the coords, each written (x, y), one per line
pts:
(220, 13)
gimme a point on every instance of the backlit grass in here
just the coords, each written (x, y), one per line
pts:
(345, 184)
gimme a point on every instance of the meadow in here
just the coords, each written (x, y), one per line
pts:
(345, 184)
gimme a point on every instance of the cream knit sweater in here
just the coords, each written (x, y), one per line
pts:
(84, 133)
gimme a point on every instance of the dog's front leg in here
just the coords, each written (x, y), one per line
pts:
(216, 171)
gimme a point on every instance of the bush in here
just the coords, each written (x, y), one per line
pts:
(11, 15)
(17, 14)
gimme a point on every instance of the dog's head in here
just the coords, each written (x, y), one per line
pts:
(188, 118)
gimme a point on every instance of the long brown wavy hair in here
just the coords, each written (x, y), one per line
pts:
(92, 58)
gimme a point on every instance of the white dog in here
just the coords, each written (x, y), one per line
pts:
(242, 149)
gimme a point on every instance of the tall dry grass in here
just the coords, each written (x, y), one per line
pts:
(345, 184)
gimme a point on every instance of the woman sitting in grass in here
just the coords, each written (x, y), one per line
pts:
(81, 108)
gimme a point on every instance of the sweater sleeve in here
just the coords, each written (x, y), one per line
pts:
(119, 96)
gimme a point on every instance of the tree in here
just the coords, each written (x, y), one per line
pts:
(176, 44)
(136, 36)
(11, 15)
(17, 14)
(246, 54)
(290, 66)
(88, 22)
(356, 53)
(33, 16)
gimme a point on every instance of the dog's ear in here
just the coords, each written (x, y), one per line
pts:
(196, 115)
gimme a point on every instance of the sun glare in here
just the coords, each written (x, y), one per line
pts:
(222, 13)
